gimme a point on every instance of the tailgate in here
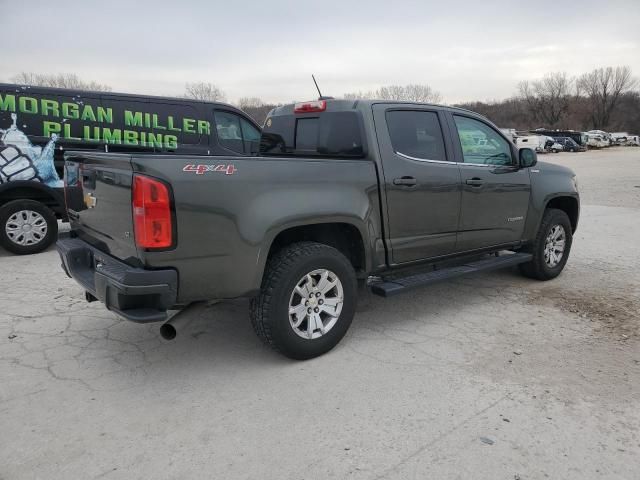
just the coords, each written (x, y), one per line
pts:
(98, 196)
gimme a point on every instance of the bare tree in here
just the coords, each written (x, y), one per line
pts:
(245, 103)
(60, 80)
(548, 99)
(603, 87)
(204, 91)
(422, 93)
(409, 93)
(358, 95)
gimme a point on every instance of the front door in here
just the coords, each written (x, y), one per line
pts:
(421, 181)
(495, 191)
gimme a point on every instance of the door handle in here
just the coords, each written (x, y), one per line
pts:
(405, 181)
(475, 182)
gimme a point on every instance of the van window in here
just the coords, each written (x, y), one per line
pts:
(481, 144)
(229, 131)
(236, 133)
(250, 136)
(416, 134)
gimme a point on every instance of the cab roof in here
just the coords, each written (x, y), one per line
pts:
(338, 104)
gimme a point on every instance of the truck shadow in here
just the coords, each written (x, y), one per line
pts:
(220, 336)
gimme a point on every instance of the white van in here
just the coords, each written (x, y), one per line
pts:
(535, 142)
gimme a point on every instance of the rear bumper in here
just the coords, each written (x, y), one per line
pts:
(134, 293)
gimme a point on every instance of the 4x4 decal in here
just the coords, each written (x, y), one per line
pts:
(227, 169)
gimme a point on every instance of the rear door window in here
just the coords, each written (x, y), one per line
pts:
(416, 134)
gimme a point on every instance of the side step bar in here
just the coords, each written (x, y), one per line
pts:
(390, 286)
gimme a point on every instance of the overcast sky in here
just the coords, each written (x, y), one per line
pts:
(467, 50)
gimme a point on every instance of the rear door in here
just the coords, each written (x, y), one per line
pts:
(495, 191)
(421, 181)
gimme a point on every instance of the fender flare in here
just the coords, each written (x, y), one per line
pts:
(271, 235)
(545, 205)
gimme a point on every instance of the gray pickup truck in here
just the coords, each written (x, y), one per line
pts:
(394, 195)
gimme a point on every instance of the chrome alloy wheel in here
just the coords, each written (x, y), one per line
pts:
(26, 227)
(315, 304)
(554, 246)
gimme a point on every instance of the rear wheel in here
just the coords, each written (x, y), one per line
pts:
(27, 227)
(307, 300)
(551, 246)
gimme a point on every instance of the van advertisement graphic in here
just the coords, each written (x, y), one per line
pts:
(32, 124)
(21, 160)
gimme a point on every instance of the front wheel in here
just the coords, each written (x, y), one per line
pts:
(551, 246)
(307, 300)
(27, 227)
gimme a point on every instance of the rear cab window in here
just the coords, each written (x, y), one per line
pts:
(335, 131)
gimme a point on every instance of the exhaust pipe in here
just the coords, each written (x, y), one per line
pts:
(169, 329)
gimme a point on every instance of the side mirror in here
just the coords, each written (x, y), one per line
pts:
(527, 157)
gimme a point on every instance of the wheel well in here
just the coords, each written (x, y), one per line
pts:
(342, 236)
(568, 205)
(28, 193)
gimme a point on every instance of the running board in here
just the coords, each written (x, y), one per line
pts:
(388, 287)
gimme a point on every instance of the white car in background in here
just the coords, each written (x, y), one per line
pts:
(606, 136)
(555, 147)
(535, 142)
(596, 140)
(633, 140)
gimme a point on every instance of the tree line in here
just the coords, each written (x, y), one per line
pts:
(604, 99)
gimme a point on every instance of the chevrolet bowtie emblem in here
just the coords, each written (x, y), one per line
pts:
(89, 200)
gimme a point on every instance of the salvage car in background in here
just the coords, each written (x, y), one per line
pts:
(569, 144)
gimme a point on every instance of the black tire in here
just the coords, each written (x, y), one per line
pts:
(40, 243)
(270, 310)
(538, 268)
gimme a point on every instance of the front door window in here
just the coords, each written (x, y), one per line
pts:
(481, 144)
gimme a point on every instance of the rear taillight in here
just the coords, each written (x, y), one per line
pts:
(151, 213)
(308, 107)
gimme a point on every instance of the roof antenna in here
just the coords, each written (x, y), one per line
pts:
(318, 88)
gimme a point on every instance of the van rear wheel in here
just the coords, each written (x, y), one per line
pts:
(27, 227)
(307, 300)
